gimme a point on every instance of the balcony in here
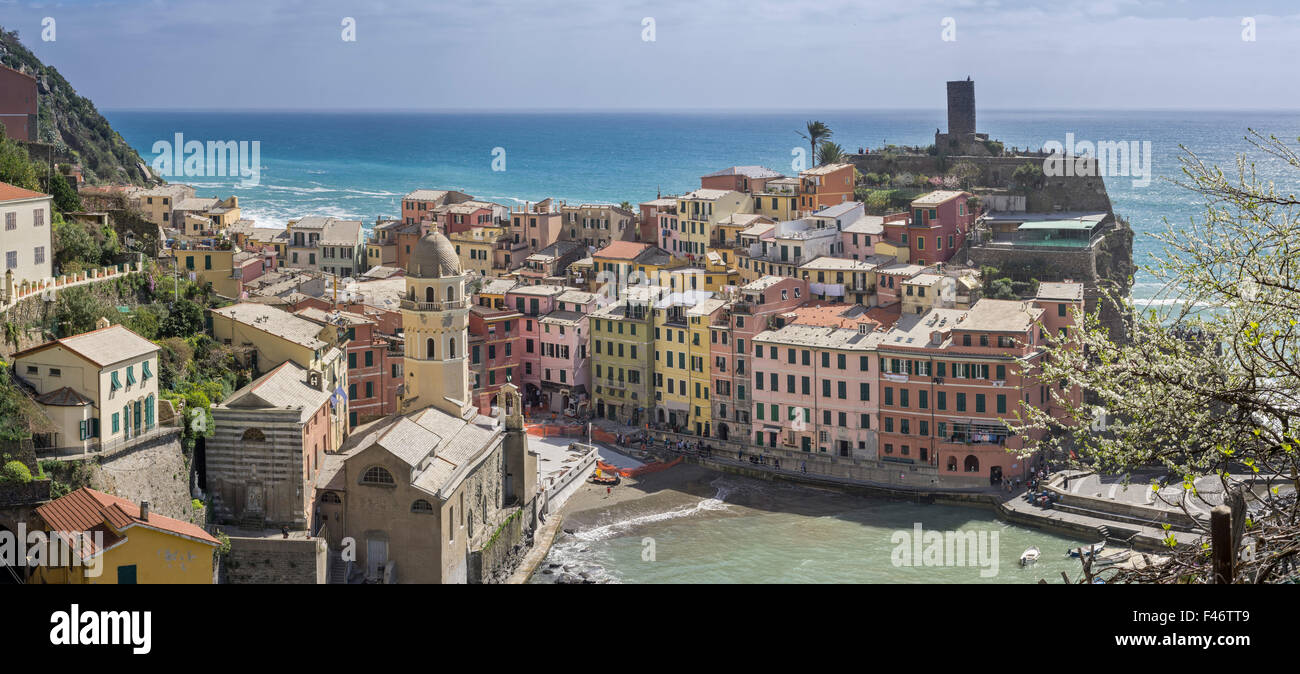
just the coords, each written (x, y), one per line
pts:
(433, 306)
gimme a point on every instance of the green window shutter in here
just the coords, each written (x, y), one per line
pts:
(144, 370)
(117, 384)
(130, 375)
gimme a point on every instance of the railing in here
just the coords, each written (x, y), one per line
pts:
(98, 447)
(433, 306)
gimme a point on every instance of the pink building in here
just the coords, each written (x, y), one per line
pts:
(748, 179)
(814, 388)
(532, 303)
(418, 206)
(536, 226)
(374, 363)
(859, 238)
(496, 351)
(731, 348)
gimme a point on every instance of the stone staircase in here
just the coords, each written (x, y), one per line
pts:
(252, 521)
(337, 574)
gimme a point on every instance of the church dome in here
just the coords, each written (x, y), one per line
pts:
(434, 257)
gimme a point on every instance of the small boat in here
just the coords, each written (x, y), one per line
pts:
(1087, 552)
(1029, 556)
(1113, 557)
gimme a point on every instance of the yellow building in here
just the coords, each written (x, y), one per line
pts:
(698, 214)
(104, 539)
(675, 361)
(475, 247)
(728, 233)
(699, 318)
(779, 199)
(710, 277)
(622, 338)
(222, 269)
(268, 336)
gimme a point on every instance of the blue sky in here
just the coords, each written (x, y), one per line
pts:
(716, 54)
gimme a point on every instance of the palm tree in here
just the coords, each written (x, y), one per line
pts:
(817, 132)
(829, 153)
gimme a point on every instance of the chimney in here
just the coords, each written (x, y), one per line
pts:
(144, 510)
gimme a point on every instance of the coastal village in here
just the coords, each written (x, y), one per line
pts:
(414, 399)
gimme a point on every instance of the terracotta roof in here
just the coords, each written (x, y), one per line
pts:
(12, 192)
(87, 510)
(622, 250)
(63, 397)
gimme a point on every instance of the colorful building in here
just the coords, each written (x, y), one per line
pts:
(813, 385)
(100, 388)
(622, 338)
(27, 239)
(950, 381)
(496, 350)
(119, 542)
(267, 447)
(699, 212)
(823, 186)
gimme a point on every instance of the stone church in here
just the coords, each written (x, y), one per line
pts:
(422, 494)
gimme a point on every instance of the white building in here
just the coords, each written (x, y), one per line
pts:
(26, 238)
(99, 387)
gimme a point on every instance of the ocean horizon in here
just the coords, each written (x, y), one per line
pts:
(357, 165)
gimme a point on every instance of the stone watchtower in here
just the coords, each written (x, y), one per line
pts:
(961, 139)
(435, 321)
(961, 107)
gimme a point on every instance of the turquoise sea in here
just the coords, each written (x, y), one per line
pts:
(359, 164)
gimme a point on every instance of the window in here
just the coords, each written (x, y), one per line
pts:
(420, 507)
(377, 475)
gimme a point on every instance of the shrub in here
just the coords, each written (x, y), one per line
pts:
(16, 471)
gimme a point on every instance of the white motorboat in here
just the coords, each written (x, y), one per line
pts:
(1112, 557)
(1029, 556)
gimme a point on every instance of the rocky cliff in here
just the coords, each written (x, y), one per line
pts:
(71, 125)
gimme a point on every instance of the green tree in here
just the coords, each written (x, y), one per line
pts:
(77, 309)
(1027, 176)
(184, 319)
(65, 198)
(817, 132)
(16, 167)
(1208, 382)
(75, 247)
